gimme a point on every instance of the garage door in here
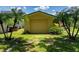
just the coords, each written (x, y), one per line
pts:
(39, 26)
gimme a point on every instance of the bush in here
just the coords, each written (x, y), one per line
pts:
(55, 30)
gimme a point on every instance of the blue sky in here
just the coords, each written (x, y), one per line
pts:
(30, 9)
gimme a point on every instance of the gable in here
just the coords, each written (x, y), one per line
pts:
(40, 15)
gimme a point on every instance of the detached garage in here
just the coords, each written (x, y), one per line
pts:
(38, 22)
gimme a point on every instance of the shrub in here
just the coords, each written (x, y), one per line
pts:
(55, 30)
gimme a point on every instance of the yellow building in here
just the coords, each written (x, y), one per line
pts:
(38, 22)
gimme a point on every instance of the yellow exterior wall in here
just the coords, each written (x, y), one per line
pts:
(26, 23)
(37, 22)
(39, 26)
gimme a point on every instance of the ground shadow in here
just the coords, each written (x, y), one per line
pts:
(15, 45)
(61, 44)
(56, 44)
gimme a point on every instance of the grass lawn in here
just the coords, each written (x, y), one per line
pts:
(38, 43)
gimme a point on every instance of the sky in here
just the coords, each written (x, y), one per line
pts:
(29, 9)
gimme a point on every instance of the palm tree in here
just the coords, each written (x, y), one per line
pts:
(70, 18)
(17, 15)
(1, 23)
(3, 19)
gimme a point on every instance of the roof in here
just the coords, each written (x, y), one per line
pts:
(41, 12)
(5, 12)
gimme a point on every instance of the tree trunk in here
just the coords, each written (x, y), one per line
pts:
(74, 27)
(11, 32)
(3, 31)
(72, 38)
(76, 33)
(65, 27)
(13, 28)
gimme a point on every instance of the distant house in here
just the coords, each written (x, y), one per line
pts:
(4, 25)
(17, 26)
(38, 22)
(5, 28)
(10, 27)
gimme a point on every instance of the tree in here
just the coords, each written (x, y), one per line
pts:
(70, 21)
(17, 15)
(3, 18)
(11, 18)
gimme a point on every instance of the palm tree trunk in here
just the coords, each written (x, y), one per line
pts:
(12, 30)
(74, 27)
(67, 29)
(3, 31)
(76, 33)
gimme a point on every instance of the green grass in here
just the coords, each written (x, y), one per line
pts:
(19, 33)
(38, 42)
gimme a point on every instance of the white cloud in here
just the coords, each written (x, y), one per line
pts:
(69, 6)
(24, 8)
(36, 9)
(44, 7)
(53, 10)
(19, 8)
(12, 7)
(53, 13)
(41, 8)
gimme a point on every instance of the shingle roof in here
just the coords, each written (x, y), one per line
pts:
(41, 12)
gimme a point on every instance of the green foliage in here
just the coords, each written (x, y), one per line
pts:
(55, 30)
(70, 18)
(10, 19)
(17, 17)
